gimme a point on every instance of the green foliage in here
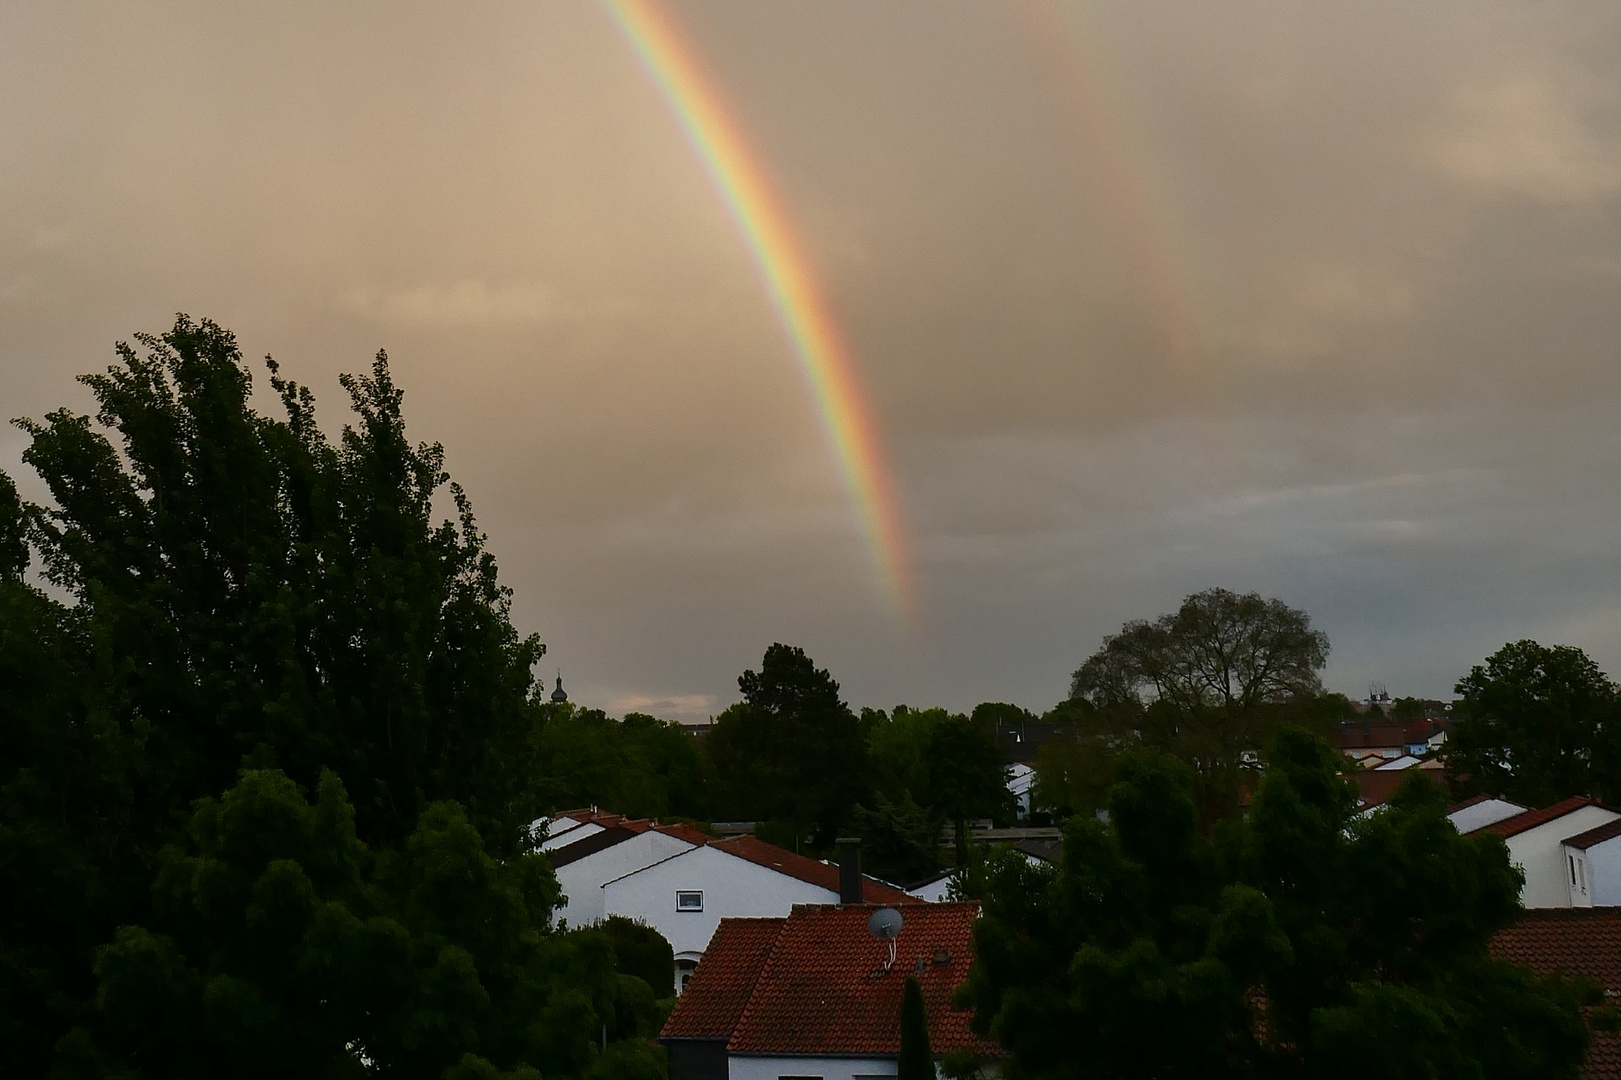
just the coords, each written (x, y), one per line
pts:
(947, 762)
(1271, 948)
(641, 766)
(900, 841)
(642, 951)
(916, 1058)
(265, 773)
(1536, 724)
(1209, 684)
(791, 750)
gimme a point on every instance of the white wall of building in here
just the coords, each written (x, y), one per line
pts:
(1541, 852)
(935, 891)
(582, 880)
(1604, 873)
(732, 888)
(1481, 814)
(743, 1067)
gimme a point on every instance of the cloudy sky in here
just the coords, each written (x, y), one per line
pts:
(1144, 297)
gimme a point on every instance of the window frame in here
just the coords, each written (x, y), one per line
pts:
(682, 896)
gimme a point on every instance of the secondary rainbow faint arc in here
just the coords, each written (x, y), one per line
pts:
(789, 278)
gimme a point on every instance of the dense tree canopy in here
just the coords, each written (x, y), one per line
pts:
(1536, 723)
(791, 750)
(1273, 949)
(1208, 683)
(269, 747)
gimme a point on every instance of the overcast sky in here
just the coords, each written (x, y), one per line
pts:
(1147, 298)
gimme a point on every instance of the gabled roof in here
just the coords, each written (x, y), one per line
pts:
(824, 989)
(713, 1001)
(1375, 787)
(623, 829)
(806, 869)
(1608, 831)
(1576, 941)
(1529, 820)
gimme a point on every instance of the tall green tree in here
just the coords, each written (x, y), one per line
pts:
(1536, 723)
(916, 1058)
(900, 841)
(1271, 949)
(266, 764)
(791, 750)
(1209, 683)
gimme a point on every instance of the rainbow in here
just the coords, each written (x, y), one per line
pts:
(788, 276)
(1070, 45)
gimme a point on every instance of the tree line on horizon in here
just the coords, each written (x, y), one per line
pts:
(272, 745)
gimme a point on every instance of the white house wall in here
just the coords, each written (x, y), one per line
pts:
(582, 879)
(1541, 852)
(1604, 873)
(732, 888)
(744, 1067)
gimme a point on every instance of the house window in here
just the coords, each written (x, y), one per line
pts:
(1572, 859)
(689, 900)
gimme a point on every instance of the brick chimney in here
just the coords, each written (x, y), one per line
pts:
(849, 869)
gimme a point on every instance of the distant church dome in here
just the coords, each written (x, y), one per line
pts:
(559, 695)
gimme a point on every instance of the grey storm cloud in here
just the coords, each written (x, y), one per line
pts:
(1147, 298)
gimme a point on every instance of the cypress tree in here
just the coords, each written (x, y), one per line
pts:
(916, 1058)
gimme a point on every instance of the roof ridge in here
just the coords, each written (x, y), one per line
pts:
(1526, 820)
(1596, 835)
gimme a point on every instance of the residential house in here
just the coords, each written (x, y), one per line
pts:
(586, 864)
(686, 895)
(1582, 941)
(1537, 843)
(1481, 811)
(1390, 738)
(817, 995)
(1021, 780)
(1593, 866)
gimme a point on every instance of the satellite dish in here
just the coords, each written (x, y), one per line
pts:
(885, 924)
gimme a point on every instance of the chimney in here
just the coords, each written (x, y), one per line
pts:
(849, 869)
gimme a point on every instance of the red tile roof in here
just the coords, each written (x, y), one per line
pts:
(808, 870)
(1575, 941)
(1374, 788)
(1520, 823)
(713, 1001)
(823, 989)
(1608, 831)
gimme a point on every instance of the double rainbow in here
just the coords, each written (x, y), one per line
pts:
(788, 276)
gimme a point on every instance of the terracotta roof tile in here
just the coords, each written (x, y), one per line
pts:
(713, 1001)
(1607, 831)
(808, 870)
(1374, 788)
(682, 831)
(1574, 941)
(823, 989)
(1520, 823)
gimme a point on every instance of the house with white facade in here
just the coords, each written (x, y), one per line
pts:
(1593, 866)
(588, 863)
(816, 994)
(1537, 844)
(1021, 782)
(686, 895)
